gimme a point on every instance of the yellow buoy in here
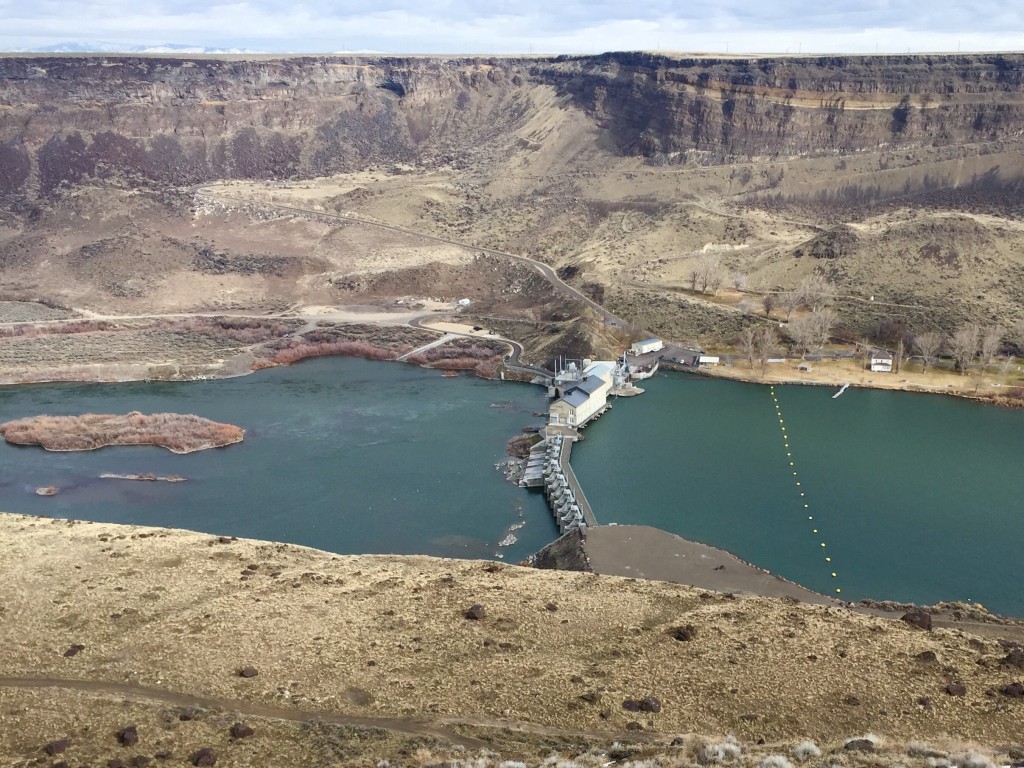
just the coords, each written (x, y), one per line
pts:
(823, 544)
(828, 559)
(838, 590)
(833, 574)
(815, 530)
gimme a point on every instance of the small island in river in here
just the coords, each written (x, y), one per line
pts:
(179, 433)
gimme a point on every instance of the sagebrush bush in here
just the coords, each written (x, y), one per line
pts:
(971, 759)
(723, 752)
(775, 761)
(806, 750)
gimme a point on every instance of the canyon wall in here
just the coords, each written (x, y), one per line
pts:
(71, 119)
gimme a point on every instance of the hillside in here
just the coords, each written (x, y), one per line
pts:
(348, 660)
(623, 170)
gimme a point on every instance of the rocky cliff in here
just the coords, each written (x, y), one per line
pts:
(66, 120)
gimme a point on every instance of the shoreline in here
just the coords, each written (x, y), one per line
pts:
(221, 371)
(699, 372)
(726, 374)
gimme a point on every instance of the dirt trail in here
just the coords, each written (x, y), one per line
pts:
(138, 692)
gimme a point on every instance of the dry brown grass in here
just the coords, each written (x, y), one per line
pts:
(179, 433)
(385, 636)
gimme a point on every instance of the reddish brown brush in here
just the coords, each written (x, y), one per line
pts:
(180, 433)
(350, 348)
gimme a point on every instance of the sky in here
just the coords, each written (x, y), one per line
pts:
(520, 26)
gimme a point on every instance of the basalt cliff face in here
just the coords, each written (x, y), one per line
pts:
(774, 107)
(896, 177)
(66, 120)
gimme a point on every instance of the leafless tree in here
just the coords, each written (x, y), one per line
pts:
(991, 341)
(709, 270)
(812, 331)
(748, 343)
(963, 346)
(1016, 336)
(801, 331)
(768, 302)
(739, 281)
(1005, 364)
(788, 301)
(766, 342)
(694, 277)
(816, 292)
(927, 345)
(715, 281)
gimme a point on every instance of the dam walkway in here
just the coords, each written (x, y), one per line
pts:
(549, 466)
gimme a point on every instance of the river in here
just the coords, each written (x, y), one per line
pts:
(916, 498)
(341, 454)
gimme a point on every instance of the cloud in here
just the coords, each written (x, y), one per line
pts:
(514, 26)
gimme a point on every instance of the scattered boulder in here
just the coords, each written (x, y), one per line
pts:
(620, 752)
(918, 618)
(1013, 690)
(591, 697)
(56, 747)
(678, 741)
(476, 612)
(140, 761)
(74, 650)
(927, 657)
(632, 725)
(128, 736)
(204, 756)
(956, 688)
(851, 701)
(650, 704)
(631, 705)
(1015, 658)
(551, 607)
(859, 745)
(683, 633)
(241, 731)
(248, 672)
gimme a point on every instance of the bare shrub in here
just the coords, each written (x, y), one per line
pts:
(775, 761)
(301, 351)
(806, 750)
(721, 752)
(971, 759)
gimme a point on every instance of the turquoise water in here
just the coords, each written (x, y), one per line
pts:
(917, 498)
(341, 454)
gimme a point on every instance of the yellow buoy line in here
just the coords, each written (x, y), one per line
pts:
(803, 497)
